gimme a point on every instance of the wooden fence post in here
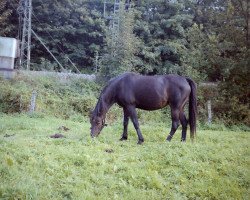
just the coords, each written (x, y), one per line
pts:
(33, 102)
(209, 112)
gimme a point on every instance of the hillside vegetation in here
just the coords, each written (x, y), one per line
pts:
(206, 40)
(57, 97)
(75, 98)
(67, 99)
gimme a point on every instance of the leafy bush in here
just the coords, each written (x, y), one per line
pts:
(14, 99)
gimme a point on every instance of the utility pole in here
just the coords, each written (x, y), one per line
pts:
(25, 12)
(25, 31)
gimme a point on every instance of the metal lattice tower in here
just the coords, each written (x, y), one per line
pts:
(25, 12)
(114, 16)
(116, 21)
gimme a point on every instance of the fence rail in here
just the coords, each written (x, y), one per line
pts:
(59, 75)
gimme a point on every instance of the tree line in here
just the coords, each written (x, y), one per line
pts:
(207, 40)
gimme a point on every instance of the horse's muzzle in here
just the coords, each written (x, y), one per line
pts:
(93, 135)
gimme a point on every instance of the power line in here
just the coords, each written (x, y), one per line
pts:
(57, 45)
(40, 40)
(24, 11)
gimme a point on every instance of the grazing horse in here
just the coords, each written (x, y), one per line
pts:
(131, 91)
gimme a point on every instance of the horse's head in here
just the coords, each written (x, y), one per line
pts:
(97, 124)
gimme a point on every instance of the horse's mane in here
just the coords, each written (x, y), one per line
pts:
(97, 109)
(99, 105)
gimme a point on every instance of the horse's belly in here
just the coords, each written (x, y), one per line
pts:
(148, 104)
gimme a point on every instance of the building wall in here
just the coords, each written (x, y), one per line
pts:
(8, 53)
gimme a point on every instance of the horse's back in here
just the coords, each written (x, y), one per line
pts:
(145, 92)
(176, 82)
(149, 92)
(170, 82)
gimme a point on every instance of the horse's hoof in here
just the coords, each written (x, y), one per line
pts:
(140, 141)
(123, 138)
(169, 138)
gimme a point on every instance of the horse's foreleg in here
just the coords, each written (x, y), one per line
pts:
(175, 123)
(125, 125)
(184, 124)
(134, 118)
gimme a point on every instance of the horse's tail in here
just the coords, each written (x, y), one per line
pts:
(192, 108)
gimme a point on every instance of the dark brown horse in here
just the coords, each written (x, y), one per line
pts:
(131, 91)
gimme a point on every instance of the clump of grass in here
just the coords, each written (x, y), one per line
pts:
(35, 166)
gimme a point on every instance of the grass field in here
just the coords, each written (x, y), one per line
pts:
(35, 166)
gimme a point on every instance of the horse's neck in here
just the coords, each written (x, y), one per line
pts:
(105, 102)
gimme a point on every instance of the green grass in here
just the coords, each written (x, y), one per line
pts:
(34, 166)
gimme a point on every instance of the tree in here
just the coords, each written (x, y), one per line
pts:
(161, 26)
(4, 14)
(8, 19)
(69, 28)
(218, 49)
(122, 48)
(76, 28)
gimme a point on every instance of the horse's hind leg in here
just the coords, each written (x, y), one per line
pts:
(125, 125)
(175, 123)
(184, 123)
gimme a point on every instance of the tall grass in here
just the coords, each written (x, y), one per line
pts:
(35, 166)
